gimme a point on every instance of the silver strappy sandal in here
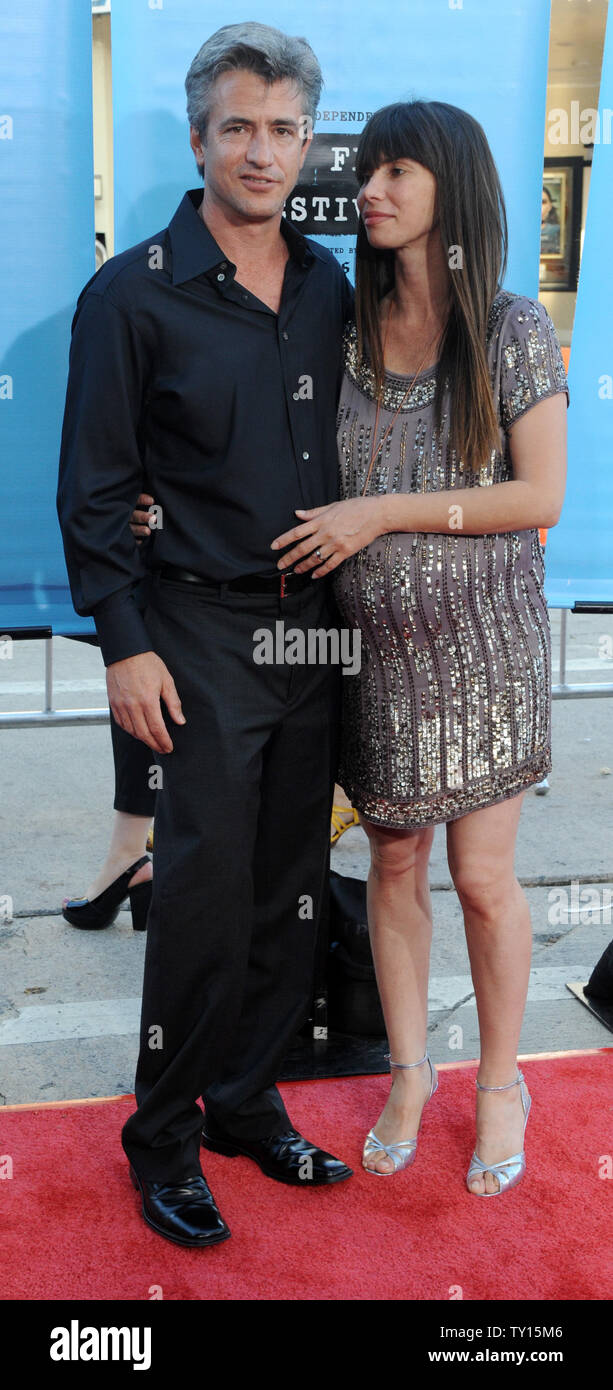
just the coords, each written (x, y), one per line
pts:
(402, 1153)
(510, 1170)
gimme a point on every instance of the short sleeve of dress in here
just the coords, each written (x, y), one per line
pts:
(530, 361)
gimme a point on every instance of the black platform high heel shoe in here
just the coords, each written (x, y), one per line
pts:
(101, 911)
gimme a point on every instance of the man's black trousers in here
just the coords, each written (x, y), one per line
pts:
(242, 826)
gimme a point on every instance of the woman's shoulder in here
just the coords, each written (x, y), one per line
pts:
(507, 309)
(524, 354)
(350, 334)
(512, 311)
(355, 369)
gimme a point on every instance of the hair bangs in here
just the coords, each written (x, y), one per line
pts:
(392, 133)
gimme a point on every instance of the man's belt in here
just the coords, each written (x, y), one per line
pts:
(285, 582)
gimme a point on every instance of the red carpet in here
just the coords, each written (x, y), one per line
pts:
(71, 1224)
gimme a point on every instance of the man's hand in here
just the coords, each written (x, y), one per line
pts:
(135, 687)
(139, 519)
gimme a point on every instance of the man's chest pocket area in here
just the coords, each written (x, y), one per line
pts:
(200, 397)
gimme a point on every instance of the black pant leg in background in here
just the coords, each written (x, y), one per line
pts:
(241, 842)
(132, 759)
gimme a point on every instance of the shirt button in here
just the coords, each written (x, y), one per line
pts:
(221, 277)
(295, 395)
(286, 336)
(306, 455)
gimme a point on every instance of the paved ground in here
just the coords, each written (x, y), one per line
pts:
(69, 1000)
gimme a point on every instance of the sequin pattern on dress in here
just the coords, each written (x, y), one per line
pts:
(451, 710)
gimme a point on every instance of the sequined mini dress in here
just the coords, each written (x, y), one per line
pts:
(450, 710)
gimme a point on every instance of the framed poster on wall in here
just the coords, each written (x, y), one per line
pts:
(561, 206)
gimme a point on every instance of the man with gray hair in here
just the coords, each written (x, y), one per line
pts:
(204, 367)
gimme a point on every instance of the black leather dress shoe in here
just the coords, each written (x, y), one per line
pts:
(287, 1157)
(184, 1212)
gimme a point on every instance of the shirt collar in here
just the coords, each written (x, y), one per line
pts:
(195, 251)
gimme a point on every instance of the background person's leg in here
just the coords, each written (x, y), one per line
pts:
(134, 806)
(133, 762)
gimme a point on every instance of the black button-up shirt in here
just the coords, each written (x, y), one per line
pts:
(183, 384)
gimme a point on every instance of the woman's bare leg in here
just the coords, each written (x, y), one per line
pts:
(400, 926)
(128, 840)
(481, 853)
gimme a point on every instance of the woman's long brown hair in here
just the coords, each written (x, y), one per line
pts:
(453, 146)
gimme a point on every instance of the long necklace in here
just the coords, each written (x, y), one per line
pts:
(376, 448)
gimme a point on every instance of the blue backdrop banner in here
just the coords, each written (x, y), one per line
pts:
(370, 56)
(47, 239)
(579, 550)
